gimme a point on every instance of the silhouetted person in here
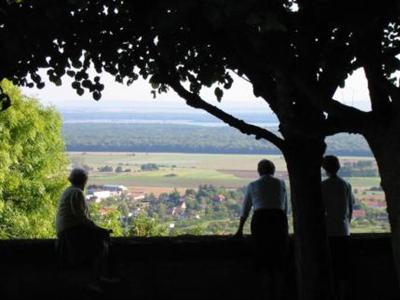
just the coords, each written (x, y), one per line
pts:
(339, 200)
(80, 239)
(269, 227)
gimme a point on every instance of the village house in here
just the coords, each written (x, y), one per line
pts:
(179, 209)
(375, 204)
(359, 214)
(219, 198)
(97, 193)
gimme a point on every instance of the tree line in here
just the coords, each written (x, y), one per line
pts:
(185, 138)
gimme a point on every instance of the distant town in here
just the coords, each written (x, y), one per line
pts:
(185, 195)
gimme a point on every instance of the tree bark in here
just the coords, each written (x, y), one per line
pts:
(384, 142)
(314, 277)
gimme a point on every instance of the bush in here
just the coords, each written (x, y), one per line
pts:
(149, 167)
(106, 169)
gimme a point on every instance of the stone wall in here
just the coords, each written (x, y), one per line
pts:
(183, 267)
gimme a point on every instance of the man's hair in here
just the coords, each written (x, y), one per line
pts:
(266, 167)
(78, 176)
(331, 164)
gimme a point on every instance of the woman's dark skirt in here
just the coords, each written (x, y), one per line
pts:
(269, 230)
(339, 246)
(82, 244)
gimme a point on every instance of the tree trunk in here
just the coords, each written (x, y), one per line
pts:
(385, 145)
(314, 277)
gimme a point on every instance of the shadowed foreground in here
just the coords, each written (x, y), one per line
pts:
(178, 268)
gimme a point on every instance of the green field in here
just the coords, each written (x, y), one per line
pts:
(176, 169)
(183, 160)
(183, 170)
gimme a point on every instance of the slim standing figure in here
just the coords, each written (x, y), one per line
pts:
(339, 200)
(269, 227)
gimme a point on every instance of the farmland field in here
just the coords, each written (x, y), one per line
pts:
(182, 170)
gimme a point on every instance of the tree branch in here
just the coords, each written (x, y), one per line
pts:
(344, 118)
(389, 88)
(196, 101)
(341, 117)
(171, 78)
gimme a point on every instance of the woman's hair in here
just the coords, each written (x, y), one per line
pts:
(266, 167)
(78, 176)
(331, 164)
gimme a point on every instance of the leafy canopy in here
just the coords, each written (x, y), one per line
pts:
(295, 53)
(32, 167)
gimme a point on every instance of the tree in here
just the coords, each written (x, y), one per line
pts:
(106, 169)
(149, 167)
(295, 54)
(107, 217)
(201, 58)
(376, 45)
(142, 225)
(33, 167)
(382, 126)
(195, 230)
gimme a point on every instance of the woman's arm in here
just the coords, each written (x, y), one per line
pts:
(239, 232)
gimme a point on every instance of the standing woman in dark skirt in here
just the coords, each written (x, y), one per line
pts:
(269, 226)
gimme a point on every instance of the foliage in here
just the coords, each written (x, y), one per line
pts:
(119, 169)
(32, 167)
(142, 225)
(208, 210)
(304, 49)
(106, 169)
(149, 167)
(359, 169)
(109, 218)
(195, 230)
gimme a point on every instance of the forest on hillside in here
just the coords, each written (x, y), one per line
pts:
(113, 137)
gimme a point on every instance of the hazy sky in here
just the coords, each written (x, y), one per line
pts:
(138, 98)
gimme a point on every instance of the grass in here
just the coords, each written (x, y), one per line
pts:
(182, 178)
(184, 160)
(364, 181)
(189, 169)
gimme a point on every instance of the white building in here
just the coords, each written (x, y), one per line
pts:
(98, 193)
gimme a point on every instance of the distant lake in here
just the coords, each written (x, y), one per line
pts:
(260, 119)
(169, 122)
